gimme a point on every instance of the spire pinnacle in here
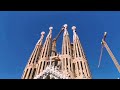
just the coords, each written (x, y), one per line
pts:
(42, 33)
(65, 29)
(74, 28)
(50, 28)
(65, 26)
(41, 38)
(50, 32)
(74, 32)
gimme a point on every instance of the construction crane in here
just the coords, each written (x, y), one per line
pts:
(104, 44)
(54, 42)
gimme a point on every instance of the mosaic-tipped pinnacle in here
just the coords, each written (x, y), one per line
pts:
(50, 28)
(65, 25)
(73, 27)
(42, 33)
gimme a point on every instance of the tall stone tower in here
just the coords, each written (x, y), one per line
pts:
(46, 63)
(31, 67)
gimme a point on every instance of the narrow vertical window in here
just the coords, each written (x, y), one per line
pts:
(78, 66)
(74, 68)
(40, 66)
(66, 49)
(86, 68)
(47, 63)
(43, 54)
(67, 61)
(29, 73)
(34, 73)
(25, 73)
(43, 65)
(70, 65)
(78, 51)
(63, 63)
(81, 65)
(34, 59)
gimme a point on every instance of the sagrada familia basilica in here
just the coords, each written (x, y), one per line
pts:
(46, 63)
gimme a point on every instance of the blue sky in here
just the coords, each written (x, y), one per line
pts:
(20, 31)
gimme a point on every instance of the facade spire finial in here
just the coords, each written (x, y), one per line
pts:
(51, 28)
(65, 26)
(50, 32)
(42, 33)
(74, 28)
(74, 32)
(41, 38)
(65, 29)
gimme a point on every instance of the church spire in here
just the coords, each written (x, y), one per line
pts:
(66, 46)
(81, 65)
(66, 53)
(30, 69)
(45, 52)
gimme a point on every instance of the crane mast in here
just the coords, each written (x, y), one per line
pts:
(111, 55)
(110, 52)
(54, 43)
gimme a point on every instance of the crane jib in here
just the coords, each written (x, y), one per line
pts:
(109, 52)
